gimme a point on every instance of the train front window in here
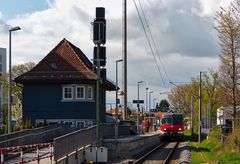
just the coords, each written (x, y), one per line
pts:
(177, 119)
(172, 120)
(167, 120)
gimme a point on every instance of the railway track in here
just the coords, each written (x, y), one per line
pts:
(160, 154)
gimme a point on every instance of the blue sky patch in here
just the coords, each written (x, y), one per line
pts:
(11, 8)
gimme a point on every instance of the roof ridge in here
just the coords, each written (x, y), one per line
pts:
(86, 60)
(79, 58)
(40, 62)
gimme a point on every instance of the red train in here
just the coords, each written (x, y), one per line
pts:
(172, 126)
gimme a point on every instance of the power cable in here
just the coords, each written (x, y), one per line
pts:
(149, 43)
(153, 40)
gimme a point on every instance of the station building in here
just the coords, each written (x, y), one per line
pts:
(61, 88)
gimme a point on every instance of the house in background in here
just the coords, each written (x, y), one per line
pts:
(225, 115)
(61, 88)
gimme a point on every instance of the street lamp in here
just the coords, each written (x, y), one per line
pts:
(154, 103)
(10, 79)
(150, 100)
(117, 101)
(138, 109)
(200, 108)
(146, 108)
(161, 93)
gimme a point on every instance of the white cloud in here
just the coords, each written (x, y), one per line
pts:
(209, 7)
(183, 32)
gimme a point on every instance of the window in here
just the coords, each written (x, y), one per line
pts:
(177, 119)
(67, 93)
(167, 120)
(77, 92)
(54, 65)
(172, 119)
(80, 124)
(80, 92)
(90, 93)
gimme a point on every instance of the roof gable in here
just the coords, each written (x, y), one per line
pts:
(65, 61)
(64, 57)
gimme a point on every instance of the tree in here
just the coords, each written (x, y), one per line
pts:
(164, 105)
(228, 27)
(16, 90)
(181, 95)
(19, 70)
(180, 98)
(211, 90)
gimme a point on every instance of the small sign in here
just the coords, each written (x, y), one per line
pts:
(138, 101)
(118, 101)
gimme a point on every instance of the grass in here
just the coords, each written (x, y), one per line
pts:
(213, 150)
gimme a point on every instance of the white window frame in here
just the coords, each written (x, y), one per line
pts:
(91, 98)
(80, 98)
(81, 124)
(64, 87)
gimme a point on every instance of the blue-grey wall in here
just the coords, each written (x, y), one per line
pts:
(44, 101)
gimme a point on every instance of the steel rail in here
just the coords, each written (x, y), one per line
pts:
(168, 158)
(140, 160)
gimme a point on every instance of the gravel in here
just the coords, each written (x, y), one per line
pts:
(185, 156)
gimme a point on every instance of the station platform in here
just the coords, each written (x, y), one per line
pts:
(129, 147)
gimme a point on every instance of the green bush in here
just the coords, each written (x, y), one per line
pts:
(17, 127)
(27, 124)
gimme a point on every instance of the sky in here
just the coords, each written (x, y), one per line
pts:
(183, 32)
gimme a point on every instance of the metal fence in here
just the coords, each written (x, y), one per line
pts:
(65, 145)
(32, 136)
(71, 142)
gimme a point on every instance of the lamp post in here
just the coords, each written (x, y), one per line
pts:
(138, 109)
(10, 80)
(161, 93)
(124, 54)
(200, 108)
(146, 109)
(154, 103)
(150, 100)
(117, 101)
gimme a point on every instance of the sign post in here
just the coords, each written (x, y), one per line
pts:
(138, 110)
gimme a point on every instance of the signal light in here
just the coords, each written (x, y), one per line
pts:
(99, 26)
(102, 56)
(100, 13)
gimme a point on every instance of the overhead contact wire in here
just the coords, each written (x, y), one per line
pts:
(149, 43)
(154, 43)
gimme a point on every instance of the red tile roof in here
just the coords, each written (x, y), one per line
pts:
(65, 63)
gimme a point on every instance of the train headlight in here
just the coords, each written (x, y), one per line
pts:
(180, 129)
(164, 129)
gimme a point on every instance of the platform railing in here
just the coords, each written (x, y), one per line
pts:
(33, 136)
(19, 152)
(65, 145)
